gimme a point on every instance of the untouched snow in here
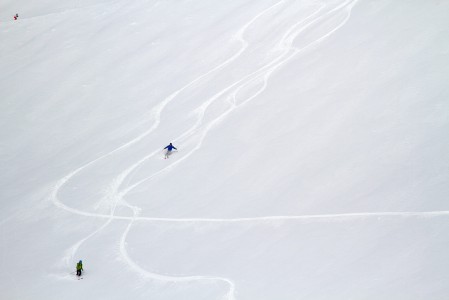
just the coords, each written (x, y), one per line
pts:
(313, 143)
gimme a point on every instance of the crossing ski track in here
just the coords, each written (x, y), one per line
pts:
(118, 190)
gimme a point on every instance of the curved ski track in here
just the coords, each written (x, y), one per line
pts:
(116, 192)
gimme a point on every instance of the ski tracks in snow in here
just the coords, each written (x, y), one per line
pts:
(199, 131)
(115, 197)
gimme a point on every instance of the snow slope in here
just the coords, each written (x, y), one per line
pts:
(313, 143)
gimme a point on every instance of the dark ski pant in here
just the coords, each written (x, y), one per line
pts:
(78, 272)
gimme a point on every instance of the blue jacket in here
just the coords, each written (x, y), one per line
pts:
(170, 147)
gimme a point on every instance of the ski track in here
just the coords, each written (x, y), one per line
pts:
(116, 194)
(155, 114)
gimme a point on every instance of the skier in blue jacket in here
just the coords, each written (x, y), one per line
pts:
(169, 149)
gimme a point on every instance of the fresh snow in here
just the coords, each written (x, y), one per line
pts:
(313, 143)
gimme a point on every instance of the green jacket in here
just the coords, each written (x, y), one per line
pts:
(79, 266)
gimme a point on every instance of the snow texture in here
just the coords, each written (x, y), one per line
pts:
(312, 162)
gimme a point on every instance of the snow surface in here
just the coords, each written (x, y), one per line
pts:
(313, 143)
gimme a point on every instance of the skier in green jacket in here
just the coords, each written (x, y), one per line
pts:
(79, 268)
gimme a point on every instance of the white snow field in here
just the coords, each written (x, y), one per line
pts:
(312, 162)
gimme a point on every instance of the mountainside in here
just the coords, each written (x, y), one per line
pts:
(312, 161)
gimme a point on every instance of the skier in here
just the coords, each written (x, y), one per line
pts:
(16, 17)
(169, 149)
(79, 268)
